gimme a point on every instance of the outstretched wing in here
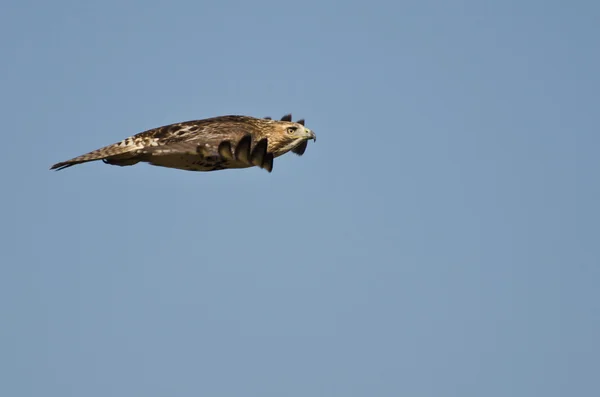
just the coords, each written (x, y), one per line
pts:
(198, 144)
(228, 143)
(214, 153)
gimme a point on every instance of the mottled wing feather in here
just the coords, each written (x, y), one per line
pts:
(191, 135)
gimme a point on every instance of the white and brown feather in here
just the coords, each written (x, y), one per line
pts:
(203, 145)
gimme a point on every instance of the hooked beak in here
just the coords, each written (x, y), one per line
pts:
(311, 134)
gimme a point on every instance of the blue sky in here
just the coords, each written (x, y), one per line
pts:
(439, 239)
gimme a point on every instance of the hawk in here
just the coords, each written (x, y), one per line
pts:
(217, 143)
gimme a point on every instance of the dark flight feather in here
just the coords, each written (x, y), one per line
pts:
(242, 151)
(225, 150)
(268, 162)
(258, 153)
(300, 149)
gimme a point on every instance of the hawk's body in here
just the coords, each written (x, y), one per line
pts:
(207, 145)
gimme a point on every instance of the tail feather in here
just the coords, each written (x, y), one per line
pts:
(117, 151)
(66, 164)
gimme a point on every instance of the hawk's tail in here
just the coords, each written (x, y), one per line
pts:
(117, 154)
(66, 164)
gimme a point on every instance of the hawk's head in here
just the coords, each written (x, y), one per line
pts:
(285, 135)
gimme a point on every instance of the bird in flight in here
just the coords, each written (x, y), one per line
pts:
(217, 143)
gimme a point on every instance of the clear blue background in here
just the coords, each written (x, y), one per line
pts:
(439, 239)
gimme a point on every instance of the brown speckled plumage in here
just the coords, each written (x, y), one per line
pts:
(207, 145)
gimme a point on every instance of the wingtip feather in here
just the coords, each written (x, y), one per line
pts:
(300, 149)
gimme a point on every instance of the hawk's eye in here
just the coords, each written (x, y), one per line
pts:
(291, 130)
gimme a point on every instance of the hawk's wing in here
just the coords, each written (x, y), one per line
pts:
(212, 139)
